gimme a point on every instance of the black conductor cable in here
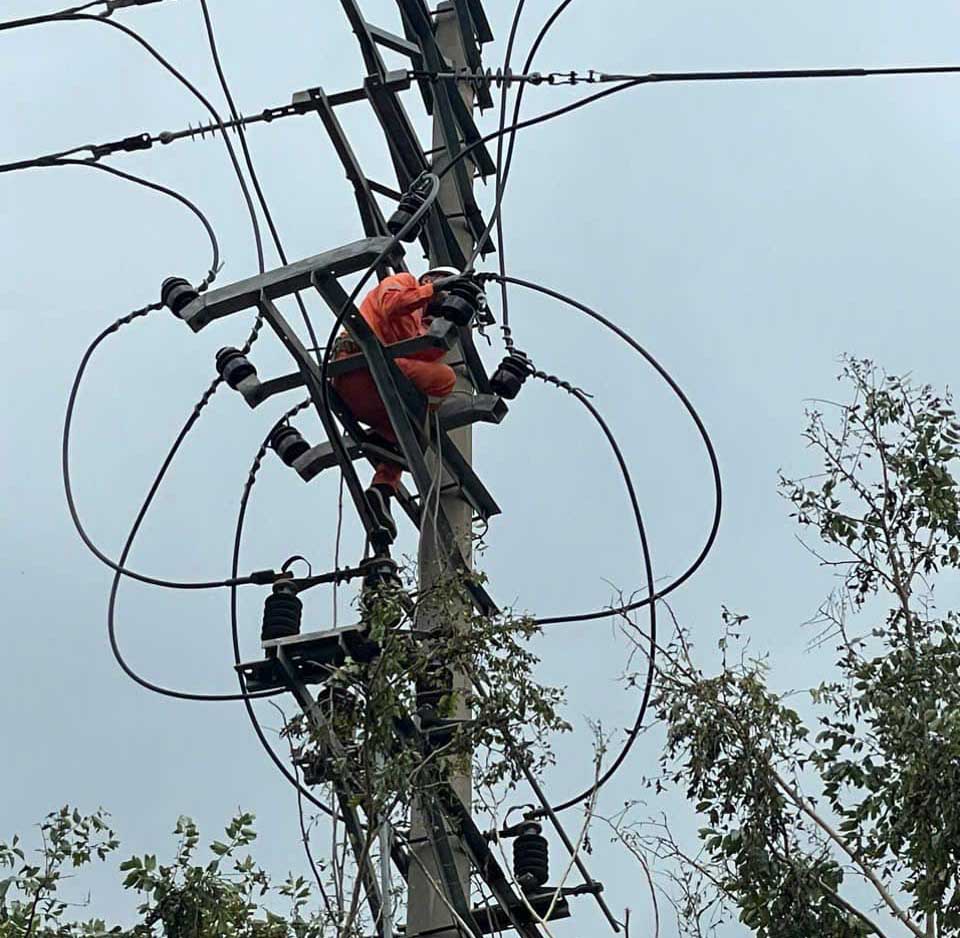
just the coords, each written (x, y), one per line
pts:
(634, 732)
(118, 576)
(625, 82)
(234, 617)
(248, 159)
(136, 37)
(264, 576)
(702, 430)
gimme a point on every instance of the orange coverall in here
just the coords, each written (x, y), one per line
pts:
(394, 311)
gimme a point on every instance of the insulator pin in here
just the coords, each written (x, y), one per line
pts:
(234, 366)
(176, 294)
(288, 444)
(531, 858)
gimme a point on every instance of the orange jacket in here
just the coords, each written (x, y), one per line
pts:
(394, 311)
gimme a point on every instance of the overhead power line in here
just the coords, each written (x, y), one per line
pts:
(303, 104)
(594, 77)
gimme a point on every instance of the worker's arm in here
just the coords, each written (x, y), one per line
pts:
(401, 295)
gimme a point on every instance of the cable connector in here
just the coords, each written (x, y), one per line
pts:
(113, 5)
(128, 144)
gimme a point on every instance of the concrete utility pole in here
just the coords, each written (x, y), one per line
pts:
(426, 911)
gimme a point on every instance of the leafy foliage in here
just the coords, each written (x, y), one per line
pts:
(795, 817)
(467, 687)
(229, 896)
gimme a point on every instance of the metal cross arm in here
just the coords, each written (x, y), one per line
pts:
(283, 281)
(483, 408)
(442, 335)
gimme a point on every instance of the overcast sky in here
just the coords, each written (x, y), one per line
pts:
(747, 235)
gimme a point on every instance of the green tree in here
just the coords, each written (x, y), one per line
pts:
(844, 822)
(227, 896)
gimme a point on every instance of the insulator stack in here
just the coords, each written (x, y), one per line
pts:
(460, 304)
(282, 614)
(288, 444)
(511, 374)
(234, 366)
(176, 294)
(410, 202)
(381, 584)
(531, 858)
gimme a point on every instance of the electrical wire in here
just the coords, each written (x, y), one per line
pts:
(629, 82)
(248, 159)
(75, 388)
(503, 168)
(118, 576)
(701, 428)
(126, 30)
(503, 172)
(235, 622)
(496, 218)
(634, 732)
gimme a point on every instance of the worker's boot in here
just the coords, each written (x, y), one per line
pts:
(378, 497)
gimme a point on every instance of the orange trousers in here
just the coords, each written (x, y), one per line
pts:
(359, 393)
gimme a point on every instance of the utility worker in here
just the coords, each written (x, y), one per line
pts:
(397, 309)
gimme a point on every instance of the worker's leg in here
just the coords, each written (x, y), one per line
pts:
(360, 394)
(434, 379)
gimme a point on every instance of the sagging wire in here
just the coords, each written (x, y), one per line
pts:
(259, 577)
(634, 731)
(235, 619)
(496, 218)
(118, 577)
(180, 77)
(503, 168)
(248, 159)
(701, 428)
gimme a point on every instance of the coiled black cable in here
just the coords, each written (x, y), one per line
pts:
(118, 576)
(701, 428)
(248, 159)
(234, 617)
(136, 37)
(652, 606)
(81, 370)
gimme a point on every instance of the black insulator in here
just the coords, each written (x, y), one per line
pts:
(288, 444)
(459, 304)
(381, 583)
(177, 293)
(410, 202)
(531, 858)
(381, 571)
(234, 366)
(282, 613)
(510, 375)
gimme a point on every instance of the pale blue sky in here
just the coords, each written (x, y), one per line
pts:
(747, 235)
